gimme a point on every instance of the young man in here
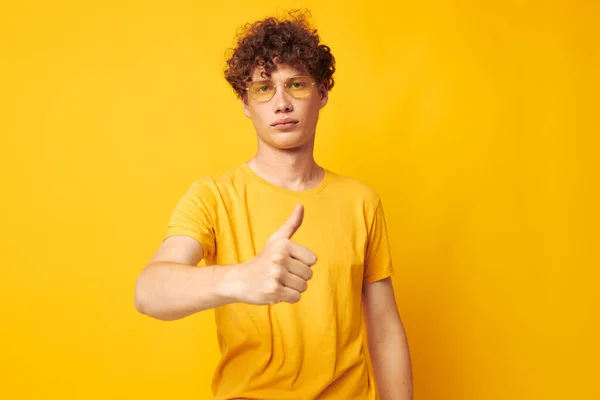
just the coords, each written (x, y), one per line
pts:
(296, 254)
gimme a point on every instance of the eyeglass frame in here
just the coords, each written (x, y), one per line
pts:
(312, 82)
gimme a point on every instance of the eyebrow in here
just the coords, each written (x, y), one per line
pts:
(271, 80)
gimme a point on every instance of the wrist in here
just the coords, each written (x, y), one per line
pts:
(231, 286)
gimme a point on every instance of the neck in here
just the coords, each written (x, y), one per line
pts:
(293, 169)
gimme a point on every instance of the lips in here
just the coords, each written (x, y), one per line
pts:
(285, 122)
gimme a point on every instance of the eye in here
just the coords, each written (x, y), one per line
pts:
(297, 85)
(261, 87)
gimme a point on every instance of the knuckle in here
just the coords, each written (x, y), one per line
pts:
(273, 300)
(272, 288)
(277, 273)
(277, 257)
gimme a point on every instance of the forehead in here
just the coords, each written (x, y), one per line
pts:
(282, 72)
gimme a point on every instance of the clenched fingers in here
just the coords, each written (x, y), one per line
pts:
(302, 254)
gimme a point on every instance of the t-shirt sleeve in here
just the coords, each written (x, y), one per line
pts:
(194, 216)
(378, 257)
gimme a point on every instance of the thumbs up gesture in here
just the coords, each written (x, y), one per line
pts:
(280, 271)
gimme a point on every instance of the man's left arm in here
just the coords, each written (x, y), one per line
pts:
(388, 346)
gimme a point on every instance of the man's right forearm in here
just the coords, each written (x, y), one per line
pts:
(170, 291)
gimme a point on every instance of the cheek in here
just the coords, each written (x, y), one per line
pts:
(312, 110)
(257, 116)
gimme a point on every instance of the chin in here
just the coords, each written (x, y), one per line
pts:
(287, 144)
(287, 140)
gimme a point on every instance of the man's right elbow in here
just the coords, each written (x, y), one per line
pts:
(140, 297)
(144, 305)
(138, 302)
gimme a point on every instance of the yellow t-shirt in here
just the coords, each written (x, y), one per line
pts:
(315, 348)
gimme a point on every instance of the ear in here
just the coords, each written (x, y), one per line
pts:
(245, 105)
(324, 94)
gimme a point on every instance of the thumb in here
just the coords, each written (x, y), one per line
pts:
(290, 226)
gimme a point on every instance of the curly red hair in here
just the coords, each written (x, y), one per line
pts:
(271, 41)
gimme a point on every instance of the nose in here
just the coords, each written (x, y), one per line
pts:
(281, 100)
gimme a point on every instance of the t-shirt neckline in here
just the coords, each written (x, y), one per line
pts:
(299, 193)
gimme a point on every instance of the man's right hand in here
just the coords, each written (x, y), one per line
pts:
(279, 272)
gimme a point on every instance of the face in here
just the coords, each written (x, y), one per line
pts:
(285, 121)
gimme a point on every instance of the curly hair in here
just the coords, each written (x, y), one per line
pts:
(271, 41)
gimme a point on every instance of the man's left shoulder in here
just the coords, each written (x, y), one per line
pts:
(357, 188)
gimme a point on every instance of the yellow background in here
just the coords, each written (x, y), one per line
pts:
(477, 122)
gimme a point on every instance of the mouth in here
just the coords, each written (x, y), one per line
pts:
(285, 123)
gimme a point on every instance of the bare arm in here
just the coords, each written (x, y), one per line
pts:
(388, 345)
(171, 286)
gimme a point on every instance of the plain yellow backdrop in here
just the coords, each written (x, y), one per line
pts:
(477, 123)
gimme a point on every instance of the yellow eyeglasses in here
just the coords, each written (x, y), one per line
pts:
(297, 86)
